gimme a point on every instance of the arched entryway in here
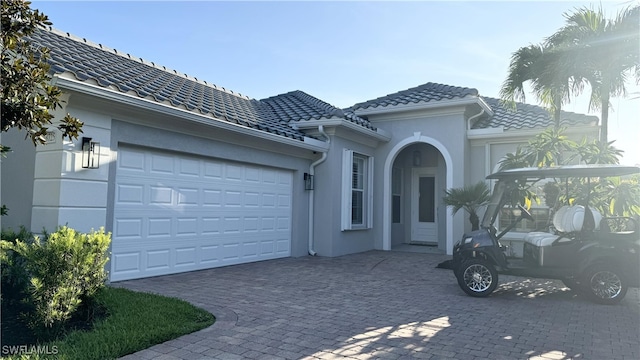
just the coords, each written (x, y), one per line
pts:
(417, 164)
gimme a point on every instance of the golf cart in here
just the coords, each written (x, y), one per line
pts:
(598, 257)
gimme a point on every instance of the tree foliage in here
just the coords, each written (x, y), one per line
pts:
(589, 50)
(605, 52)
(550, 75)
(553, 147)
(611, 196)
(28, 97)
(470, 198)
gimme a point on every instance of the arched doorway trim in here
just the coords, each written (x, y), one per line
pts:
(386, 202)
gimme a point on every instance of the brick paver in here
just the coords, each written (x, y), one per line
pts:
(387, 305)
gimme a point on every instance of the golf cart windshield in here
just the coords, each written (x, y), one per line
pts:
(494, 205)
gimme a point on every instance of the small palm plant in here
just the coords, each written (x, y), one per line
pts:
(470, 198)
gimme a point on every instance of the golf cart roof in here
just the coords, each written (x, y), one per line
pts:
(567, 171)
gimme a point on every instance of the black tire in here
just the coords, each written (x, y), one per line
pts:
(477, 277)
(604, 284)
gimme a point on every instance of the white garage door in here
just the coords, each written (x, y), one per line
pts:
(176, 213)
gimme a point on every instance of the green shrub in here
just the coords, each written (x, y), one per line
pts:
(63, 271)
(13, 275)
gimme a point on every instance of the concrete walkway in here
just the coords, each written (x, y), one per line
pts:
(387, 305)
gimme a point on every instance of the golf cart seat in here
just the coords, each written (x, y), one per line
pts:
(568, 219)
(539, 249)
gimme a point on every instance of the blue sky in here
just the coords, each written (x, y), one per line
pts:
(341, 52)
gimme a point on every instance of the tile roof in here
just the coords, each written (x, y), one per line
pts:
(299, 106)
(527, 116)
(111, 69)
(420, 94)
(108, 68)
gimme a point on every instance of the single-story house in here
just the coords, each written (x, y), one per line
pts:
(188, 175)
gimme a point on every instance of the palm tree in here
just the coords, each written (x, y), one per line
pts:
(518, 159)
(470, 198)
(547, 148)
(605, 53)
(549, 74)
(544, 150)
(596, 152)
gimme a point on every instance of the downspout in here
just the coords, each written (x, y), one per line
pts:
(473, 117)
(312, 171)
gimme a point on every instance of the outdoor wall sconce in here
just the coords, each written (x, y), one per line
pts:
(308, 181)
(90, 153)
(417, 158)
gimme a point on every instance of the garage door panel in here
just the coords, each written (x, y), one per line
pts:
(126, 262)
(187, 226)
(160, 195)
(284, 201)
(234, 173)
(131, 160)
(209, 255)
(210, 225)
(212, 197)
(282, 246)
(213, 170)
(253, 175)
(178, 213)
(128, 227)
(188, 196)
(130, 194)
(189, 168)
(158, 259)
(161, 164)
(186, 256)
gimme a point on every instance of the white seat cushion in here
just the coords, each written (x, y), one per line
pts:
(567, 219)
(558, 218)
(538, 238)
(573, 219)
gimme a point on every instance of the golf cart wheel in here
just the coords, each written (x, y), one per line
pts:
(477, 277)
(604, 284)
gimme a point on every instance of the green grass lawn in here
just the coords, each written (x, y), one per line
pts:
(133, 321)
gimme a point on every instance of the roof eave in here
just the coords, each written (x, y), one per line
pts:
(108, 94)
(467, 100)
(378, 134)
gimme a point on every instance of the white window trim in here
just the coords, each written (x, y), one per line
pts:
(347, 169)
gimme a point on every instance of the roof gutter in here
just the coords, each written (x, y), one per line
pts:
(312, 172)
(107, 94)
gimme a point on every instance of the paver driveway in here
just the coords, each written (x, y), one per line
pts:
(389, 305)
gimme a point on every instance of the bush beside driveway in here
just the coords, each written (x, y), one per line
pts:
(388, 305)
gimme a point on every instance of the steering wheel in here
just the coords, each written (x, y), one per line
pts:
(525, 213)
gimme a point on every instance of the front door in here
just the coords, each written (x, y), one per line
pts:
(424, 229)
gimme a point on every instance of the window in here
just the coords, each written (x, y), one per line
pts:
(396, 194)
(358, 177)
(357, 191)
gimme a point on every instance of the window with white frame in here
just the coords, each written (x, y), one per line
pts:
(396, 194)
(357, 184)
